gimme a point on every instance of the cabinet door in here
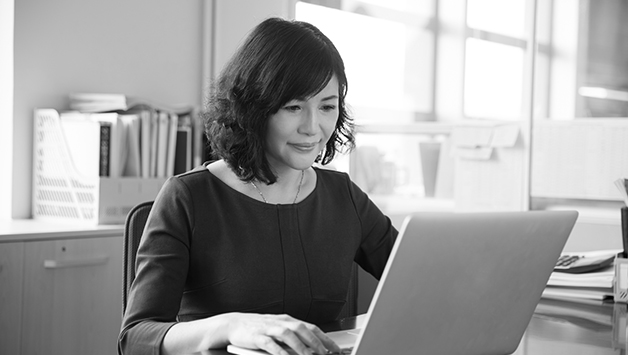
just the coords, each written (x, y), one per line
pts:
(11, 272)
(72, 296)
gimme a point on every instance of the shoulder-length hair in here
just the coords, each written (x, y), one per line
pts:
(280, 61)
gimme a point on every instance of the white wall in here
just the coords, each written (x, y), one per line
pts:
(236, 18)
(6, 104)
(147, 48)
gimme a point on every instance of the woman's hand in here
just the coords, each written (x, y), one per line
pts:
(268, 332)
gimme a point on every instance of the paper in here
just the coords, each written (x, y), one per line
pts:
(623, 280)
(478, 153)
(477, 142)
(505, 136)
(472, 136)
(590, 294)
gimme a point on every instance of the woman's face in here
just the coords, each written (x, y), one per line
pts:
(301, 128)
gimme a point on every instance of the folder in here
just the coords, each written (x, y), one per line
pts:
(171, 147)
(131, 123)
(145, 145)
(163, 122)
(183, 149)
(117, 141)
(88, 144)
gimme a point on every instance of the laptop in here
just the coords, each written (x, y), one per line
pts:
(459, 283)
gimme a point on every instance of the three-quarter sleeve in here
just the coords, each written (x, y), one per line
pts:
(161, 271)
(378, 233)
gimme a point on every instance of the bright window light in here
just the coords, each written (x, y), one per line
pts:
(498, 16)
(493, 80)
(388, 64)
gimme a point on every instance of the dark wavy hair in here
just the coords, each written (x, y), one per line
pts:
(279, 61)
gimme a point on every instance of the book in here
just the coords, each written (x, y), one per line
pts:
(183, 149)
(199, 140)
(577, 293)
(117, 141)
(172, 140)
(88, 143)
(596, 285)
(145, 142)
(104, 169)
(131, 123)
(152, 139)
(163, 123)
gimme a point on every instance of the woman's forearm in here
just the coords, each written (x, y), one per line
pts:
(194, 336)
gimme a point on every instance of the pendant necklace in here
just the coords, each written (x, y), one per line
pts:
(295, 197)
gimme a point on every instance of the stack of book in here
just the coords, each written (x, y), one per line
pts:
(112, 135)
(596, 285)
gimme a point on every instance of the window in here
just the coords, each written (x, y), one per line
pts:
(390, 68)
(494, 59)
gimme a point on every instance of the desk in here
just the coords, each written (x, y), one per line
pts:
(557, 328)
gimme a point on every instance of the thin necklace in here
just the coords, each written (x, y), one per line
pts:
(295, 197)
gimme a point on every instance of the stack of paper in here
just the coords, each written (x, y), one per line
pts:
(596, 285)
(105, 102)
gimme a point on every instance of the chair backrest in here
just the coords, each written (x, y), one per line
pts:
(133, 229)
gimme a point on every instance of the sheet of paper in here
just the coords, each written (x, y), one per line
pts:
(505, 135)
(472, 136)
(476, 153)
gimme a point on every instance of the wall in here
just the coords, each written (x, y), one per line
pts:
(6, 103)
(146, 48)
(235, 18)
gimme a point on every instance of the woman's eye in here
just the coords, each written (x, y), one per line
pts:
(328, 108)
(292, 108)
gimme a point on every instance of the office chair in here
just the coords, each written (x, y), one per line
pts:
(133, 229)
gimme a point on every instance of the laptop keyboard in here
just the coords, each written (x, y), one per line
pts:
(343, 351)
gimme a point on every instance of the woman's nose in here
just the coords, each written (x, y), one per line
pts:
(309, 125)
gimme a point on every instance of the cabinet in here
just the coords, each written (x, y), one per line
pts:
(11, 274)
(64, 296)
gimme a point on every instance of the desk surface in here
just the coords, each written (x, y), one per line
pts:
(23, 230)
(557, 328)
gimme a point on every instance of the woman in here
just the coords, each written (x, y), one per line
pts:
(256, 248)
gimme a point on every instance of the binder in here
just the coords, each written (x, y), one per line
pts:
(154, 134)
(131, 124)
(183, 148)
(171, 146)
(163, 121)
(145, 142)
(117, 141)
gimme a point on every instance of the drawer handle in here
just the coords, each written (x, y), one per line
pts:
(58, 264)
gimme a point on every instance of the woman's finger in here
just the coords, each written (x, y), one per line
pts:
(269, 345)
(313, 337)
(307, 335)
(328, 343)
(287, 336)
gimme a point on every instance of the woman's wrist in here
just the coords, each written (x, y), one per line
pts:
(198, 335)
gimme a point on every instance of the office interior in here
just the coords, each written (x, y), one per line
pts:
(460, 105)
